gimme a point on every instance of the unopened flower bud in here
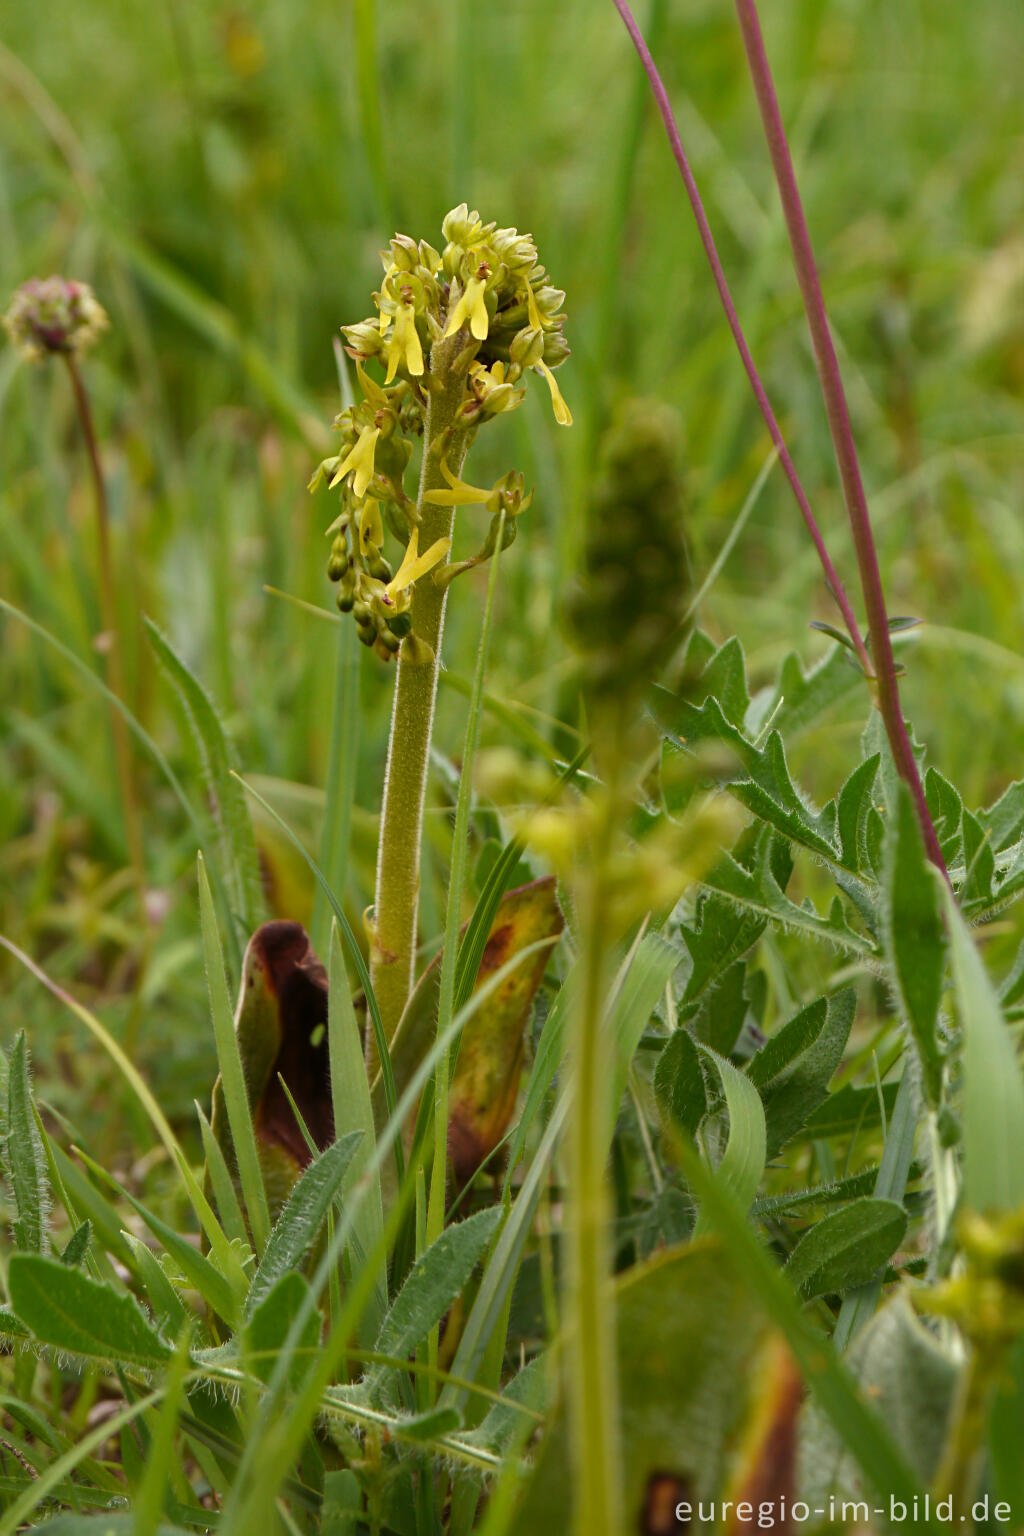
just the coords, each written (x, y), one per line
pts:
(52, 314)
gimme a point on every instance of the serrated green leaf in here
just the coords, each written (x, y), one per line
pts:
(915, 940)
(993, 1088)
(757, 892)
(846, 1248)
(25, 1157)
(433, 1283)
(296, 1229)
(1004, 819)
(725, 679)
(720, 936)
(217, 759)
(679, 1083)
(801, 698)
(71, 1311)
(267, 1328)
(946, 809)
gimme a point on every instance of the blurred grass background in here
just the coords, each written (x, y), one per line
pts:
(224, 176)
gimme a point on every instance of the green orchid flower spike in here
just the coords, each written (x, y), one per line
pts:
(455, 332)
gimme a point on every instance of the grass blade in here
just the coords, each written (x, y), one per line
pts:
(236, 1098)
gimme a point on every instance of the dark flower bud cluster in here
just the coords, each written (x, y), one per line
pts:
(478, 316)
(52, 314)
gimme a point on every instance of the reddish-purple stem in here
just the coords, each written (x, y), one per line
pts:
(883, 669)
(707, 240)
(838, 414)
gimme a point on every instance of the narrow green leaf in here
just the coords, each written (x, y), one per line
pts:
(353, 1112)
(26, 1159)
(297, 1226)
(433, 1284)
(67, 1309)
(652, 966)
(164, 1302)
(993, 1091)
(847, 1247)
(221, 1184)
(742, 1163)
(216, 755)
(231, 1072)
(209, 1282)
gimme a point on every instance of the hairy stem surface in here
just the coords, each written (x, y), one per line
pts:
(412, 717)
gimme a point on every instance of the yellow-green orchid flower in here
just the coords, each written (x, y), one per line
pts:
(471, 305)
(360, 459)
(460, 494)
(404, 344)
(563, 415)
(371, 525)
(414, 565)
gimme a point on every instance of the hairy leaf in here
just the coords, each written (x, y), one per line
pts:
(298, 1225)
(71, 1311)
(847, 1247)
(26, 1158)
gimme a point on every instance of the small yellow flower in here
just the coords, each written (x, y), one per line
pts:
(360, 459)
(460, 494)
(371, 525)
(470, 305)
(563, 415)
(414, 565)
(404, 344)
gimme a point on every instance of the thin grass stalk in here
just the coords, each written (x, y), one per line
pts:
(883, 670)
(707, 241)
(114, 658)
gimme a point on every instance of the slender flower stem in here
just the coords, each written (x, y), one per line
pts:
(836, 407)
(405, 782)
(835, 586)
(108, 613)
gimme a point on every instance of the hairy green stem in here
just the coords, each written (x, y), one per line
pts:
(591, 1351)
(837, 410)
(412, 717)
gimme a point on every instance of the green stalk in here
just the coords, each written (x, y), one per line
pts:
(412, 717)
(590, 1354)
(449, 955)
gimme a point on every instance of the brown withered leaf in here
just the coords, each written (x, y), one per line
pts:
(490, 1059)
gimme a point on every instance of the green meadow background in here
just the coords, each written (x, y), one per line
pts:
(225, 176)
